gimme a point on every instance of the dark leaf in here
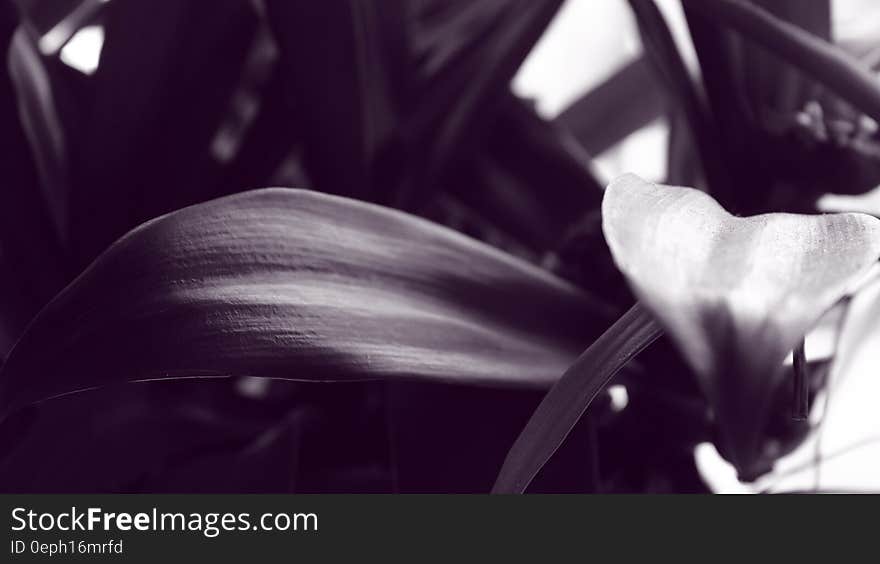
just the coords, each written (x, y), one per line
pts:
(297, 285)
(29, 243)
(42, 125)
(570, 397)
(661, 50)
(533, 180)
(718, 52)
(460, 88)
(773, 85)
(162, 87)
(147, 437)
(823, 61)
(777, 89)
(339, 72)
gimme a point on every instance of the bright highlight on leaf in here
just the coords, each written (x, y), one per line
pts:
(736, 294)
(299, 285)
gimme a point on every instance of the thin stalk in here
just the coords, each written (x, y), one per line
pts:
(661, 50)
(593, 453)
(801, 399)
(569, 398)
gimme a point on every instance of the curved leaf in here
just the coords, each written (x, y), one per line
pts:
(819, 59)
(736, 294)
(42, 126)
(777, 88)
(567, 401)
(28, 233)
(470, 58)
(535, 199)
(293, 284)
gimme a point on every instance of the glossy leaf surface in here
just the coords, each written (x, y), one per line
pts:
(297, 285)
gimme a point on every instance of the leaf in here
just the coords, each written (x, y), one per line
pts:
(166, 75)
(736, 294)
(718, 52)
(772, 83)
(40, 453)
(334, 57)
(625, 102)
(146, 437)
(43, 128)
(462, 84)
(766, 82)
(28, 236)
(297, 285)
(53, 22)
(271, 136)
(661, 50)
(682, 166)
(821, 60)
(569, 398)
(535, 199)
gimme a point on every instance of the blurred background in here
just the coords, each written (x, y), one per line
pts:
(501, 119)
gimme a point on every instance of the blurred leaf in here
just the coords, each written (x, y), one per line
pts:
(584, 258)
(297, 285)
(43, 128)
(772, 83)
(537, 198)
(52, 23)
(247, 98)
(48, 454)
(166, 74)
(765, 84)
(147, 437)
(570, 397)
(734, 68)
(649, 445)
(660, 49)
(682, 164)
(622, 104)
(272, 137)
(736, 294)
(29, 243)
(821, 60)
(472, 61)
(717, 51)
(336, 61)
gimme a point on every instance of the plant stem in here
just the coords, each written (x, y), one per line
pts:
(661, 50)
(801, 397)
